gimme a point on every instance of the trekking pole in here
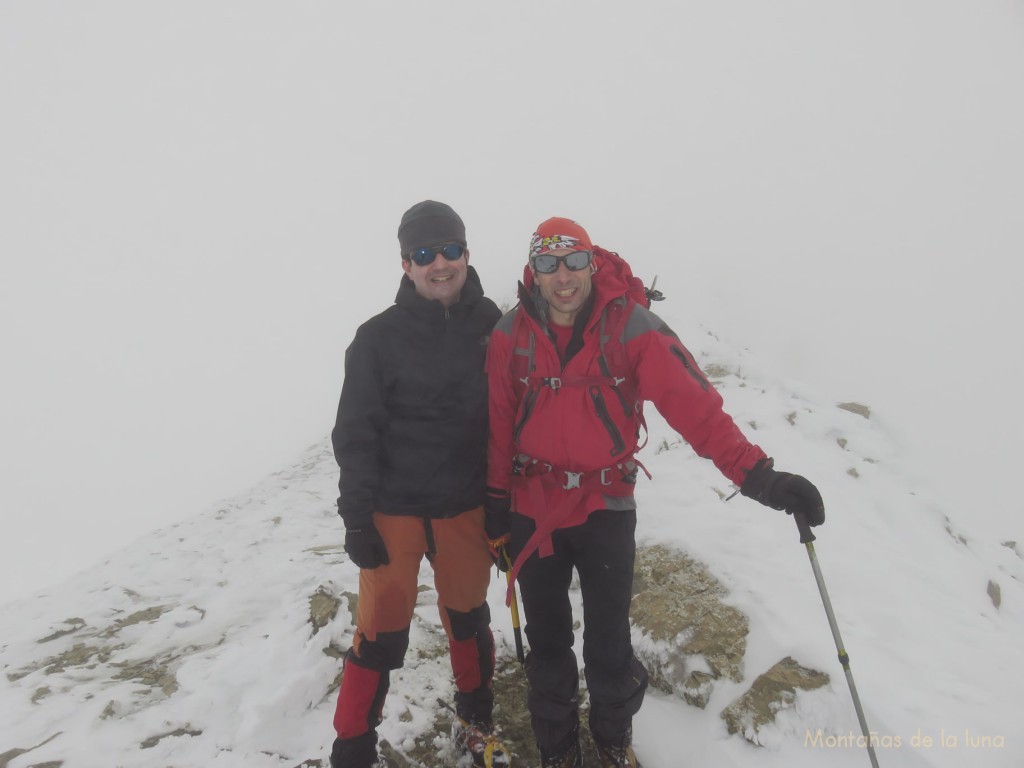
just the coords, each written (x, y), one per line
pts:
(806, 538)
(514, 606)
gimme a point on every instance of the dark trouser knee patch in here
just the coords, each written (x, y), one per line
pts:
(385, 653)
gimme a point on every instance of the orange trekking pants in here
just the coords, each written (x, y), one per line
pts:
(458, 552)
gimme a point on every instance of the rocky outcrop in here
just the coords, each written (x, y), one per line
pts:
(770, 693)
(695, 637)
(857, 408)
(995, 593)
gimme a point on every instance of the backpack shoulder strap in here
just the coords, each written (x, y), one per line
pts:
(615, 364)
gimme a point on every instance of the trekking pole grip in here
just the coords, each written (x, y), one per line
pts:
(806, 537)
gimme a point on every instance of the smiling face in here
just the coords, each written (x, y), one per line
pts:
(440, 280)
(564, 290)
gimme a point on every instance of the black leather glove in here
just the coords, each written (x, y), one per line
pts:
(365, 546)
(497, 524)
(782, 490)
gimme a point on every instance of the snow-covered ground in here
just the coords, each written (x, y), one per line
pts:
(224, 668)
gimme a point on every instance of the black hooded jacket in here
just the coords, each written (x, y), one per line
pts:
(411, 433)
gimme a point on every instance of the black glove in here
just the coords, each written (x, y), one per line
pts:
(365, 546)
(497, 524)
(782, 490)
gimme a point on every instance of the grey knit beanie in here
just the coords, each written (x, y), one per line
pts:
(430, 223)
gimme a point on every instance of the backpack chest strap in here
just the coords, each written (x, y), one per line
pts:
(557, 382)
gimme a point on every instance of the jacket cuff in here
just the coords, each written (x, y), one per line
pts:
(354, 520)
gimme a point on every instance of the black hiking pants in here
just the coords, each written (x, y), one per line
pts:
(602, 551)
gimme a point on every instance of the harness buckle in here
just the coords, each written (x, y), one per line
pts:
(554, 382)
(604, 476)
(518, 464)
(572, 480)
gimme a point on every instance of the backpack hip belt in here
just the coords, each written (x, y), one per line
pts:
(623, 471)
(540, 477)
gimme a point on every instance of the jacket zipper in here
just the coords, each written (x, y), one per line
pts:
(618, 445)
(528, 401)
(689, 367)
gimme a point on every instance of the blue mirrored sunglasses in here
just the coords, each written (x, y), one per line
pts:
(425, 256)
(547, 263)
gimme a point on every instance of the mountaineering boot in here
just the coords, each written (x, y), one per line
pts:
(480, 741)
(618, 755)
(379, 762)
(559, 747)
(572, 758)
(358, 752)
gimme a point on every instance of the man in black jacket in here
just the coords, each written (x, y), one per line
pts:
(411, 443)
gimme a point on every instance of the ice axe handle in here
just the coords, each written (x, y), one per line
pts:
(806, 537)
(514, 606)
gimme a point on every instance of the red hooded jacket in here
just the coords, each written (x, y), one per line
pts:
(562, 438)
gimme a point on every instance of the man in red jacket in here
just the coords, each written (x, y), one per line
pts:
(568, 370)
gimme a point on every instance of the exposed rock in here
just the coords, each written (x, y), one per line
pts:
(697, 688)
(148, 615)
(150, 672)
(71, 626)
(323, 607)
(717, 371)
(152, 741)
(79, 655)
(395, 757)
(335, 651)
(353, 605)
(327, 549)
(860, 410)
(697, 637)
(771, 692)
(959, 538)
(995, 593)
(10, 754)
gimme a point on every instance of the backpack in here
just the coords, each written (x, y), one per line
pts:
(638, 292)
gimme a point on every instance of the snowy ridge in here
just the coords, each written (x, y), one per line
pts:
(194, 646)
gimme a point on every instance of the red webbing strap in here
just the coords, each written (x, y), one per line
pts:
(540, 541)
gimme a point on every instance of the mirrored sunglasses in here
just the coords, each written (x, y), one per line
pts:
(547, 263)
(425, 256)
